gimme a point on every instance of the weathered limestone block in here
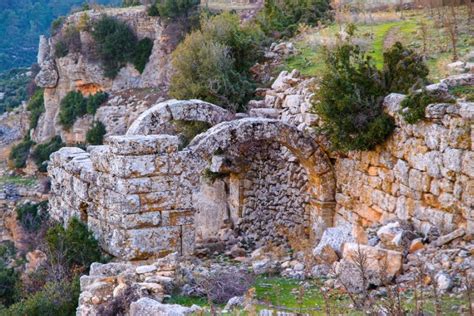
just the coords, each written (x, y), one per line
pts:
(149, 307)
(48, 75)
(143, 144)
(377, 259)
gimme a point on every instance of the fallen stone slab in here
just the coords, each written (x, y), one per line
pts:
(460, 232)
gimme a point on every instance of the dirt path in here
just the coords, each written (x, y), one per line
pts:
(391, 37)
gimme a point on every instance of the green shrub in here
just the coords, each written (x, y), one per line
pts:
(283, 16)
(20, 152)
(95, 101)
(350, 100)
(403, 69)
(95, 136)
(72, 106)
(244, 41)
(60, 49)
(55, 299)
(56, 24)
(130, 3)
(42, 152)
(74, 247)
(115, 44)
(36, 107)
(9, 280)
(142, 54)
(175, 8)
(32, 215)
(212, 63)
(414, 105)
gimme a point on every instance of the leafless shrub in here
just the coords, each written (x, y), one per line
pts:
(220, 286)
(120, 304)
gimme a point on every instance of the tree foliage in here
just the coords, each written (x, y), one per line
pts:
(95, 136)
(32, 215)
(20, 152)
(116, 44)
(283, 16)
(95, 101)
(36, 107)
(74, 246)
(42, 152)
(173, 9)
(349, 100)
(212, 63)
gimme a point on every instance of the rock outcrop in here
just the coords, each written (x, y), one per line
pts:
(80, 71)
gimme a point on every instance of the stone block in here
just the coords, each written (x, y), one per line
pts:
(143, 144)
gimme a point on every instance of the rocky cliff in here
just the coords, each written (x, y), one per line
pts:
(81, 71)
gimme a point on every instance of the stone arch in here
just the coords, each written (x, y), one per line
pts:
(157, 119)
(311, 156)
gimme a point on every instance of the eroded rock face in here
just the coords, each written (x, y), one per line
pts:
(78, 71)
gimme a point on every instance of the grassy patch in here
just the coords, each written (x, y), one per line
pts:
(466, 92)
(187, 300)
(17, 180)
(308, 60)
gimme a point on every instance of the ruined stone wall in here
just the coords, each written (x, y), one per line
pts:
(275, 199)
(136, 193)
(423, 173)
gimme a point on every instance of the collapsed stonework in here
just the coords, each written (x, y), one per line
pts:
(145, 196)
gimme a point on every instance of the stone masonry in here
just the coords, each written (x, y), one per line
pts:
(136, 192)
(140, 192)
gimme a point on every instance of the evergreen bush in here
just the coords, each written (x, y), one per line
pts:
(282, 17)
(350, 100)
(95, 136)
(173, 9)
(36, 107)
(32, 215)
(20, 152)
(403, 69)
(212, 63)
(95, 101)
(115, 44)
(72, 106)
(142, 54)
(74, 246)
(42, 152)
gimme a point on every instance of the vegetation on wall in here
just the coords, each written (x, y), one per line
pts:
(403, 69)
(95, 135)
(36, 107)
(75, 105)
(116, 44)
(187, 130)
(212, 63)
(42, 152)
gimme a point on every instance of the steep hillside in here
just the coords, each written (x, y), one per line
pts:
(23, 21)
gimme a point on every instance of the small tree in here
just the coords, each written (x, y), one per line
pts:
(95, 101)
(115, 44)
(350, 100)
(42, 152)
(175, 8)
(142, 54)
(95, 136)
(73, 105)
(74, 246)
(403, 69)
(19, 153)
(36, 107)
